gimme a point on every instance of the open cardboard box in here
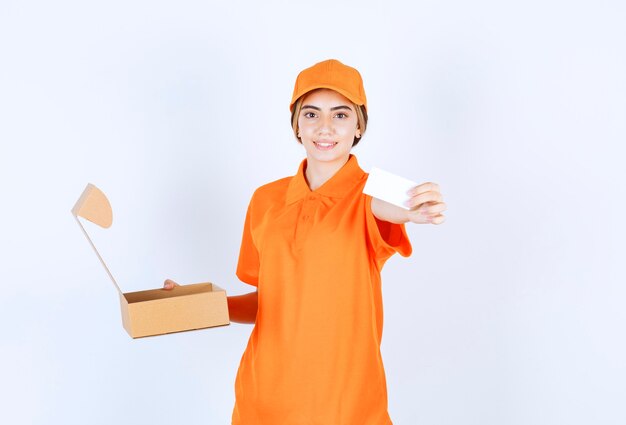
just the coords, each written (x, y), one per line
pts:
(156, 311)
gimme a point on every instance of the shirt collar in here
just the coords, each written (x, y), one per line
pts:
(337, 186)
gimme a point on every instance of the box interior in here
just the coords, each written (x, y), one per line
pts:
(178, 291)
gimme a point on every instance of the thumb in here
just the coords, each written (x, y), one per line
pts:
(169, 284)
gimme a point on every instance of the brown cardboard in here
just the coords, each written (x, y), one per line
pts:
(156, 311)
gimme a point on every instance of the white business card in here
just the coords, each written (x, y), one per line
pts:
(388, 187)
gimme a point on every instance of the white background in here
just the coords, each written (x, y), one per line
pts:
(512, 312)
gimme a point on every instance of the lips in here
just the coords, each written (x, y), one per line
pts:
(325, 145)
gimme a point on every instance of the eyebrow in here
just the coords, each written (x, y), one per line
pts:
(334, 108)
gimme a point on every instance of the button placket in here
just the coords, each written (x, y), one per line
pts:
(309, 206)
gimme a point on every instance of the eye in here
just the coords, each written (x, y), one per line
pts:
(341, 115)
(309, 114)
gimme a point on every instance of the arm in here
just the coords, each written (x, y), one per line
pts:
(426, 205)
(241, 308)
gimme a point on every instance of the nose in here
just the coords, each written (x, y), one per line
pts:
(325, 125)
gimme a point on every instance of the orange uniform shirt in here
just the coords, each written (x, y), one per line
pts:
(313, 357)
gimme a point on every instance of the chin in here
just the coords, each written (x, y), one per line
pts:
(327, 156)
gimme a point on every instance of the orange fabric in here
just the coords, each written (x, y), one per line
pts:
(313, 357)
(334, 75)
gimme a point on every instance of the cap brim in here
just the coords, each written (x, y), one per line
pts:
(339, 90)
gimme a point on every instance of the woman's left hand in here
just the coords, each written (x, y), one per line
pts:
(426, 204)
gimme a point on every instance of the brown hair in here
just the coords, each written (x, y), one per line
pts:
(361, 115)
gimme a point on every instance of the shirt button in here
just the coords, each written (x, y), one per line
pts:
(304, 217)
(311, 198)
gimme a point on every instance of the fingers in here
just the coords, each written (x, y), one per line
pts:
(426, 192)
(418, 217)
(424, 187)
(432, 212)
(438, 219)
(426, 204)
(169, 284)
(423, 198)
(432, 208)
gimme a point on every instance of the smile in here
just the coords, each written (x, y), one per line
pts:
(324, 145)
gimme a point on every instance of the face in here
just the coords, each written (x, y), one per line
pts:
(327, 125)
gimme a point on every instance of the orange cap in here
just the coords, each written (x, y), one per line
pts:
(334, 75)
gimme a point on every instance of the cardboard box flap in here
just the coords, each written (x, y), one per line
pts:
(94, 206)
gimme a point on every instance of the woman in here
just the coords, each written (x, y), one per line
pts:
(314, 245)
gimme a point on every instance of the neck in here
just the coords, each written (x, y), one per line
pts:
(317, 173)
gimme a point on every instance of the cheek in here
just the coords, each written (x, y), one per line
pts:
(346, 129)
(306, 130)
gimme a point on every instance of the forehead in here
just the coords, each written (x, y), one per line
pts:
(324, 97)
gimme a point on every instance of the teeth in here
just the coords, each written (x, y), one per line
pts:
(325, 145)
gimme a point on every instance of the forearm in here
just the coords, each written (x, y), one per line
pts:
(243, 308)
(385, 211)
(426, 207)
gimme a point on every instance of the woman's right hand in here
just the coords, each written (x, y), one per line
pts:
(169, 284)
